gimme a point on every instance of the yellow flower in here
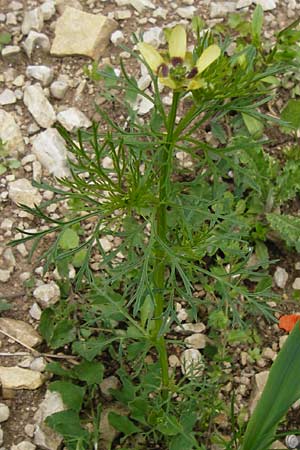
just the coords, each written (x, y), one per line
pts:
(175, 68)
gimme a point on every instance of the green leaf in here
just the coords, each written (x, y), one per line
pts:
(147, 309)
(281, 391)
(288, 228)
(72, 395)
(5, 38)
(4, 305)
(3, 169)
(69, 239)
(182, 442)
(67, 423)
(169, 426)
(218, 132)
(13, 164)
(291, 113)
(122, 424)
(90, 372)
(255, 127)
(63, 333)
(79, 258)
(91, 348)
(56, 369)
(257, 23)
(47, 324)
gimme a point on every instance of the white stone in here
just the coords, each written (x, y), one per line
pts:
(280, 277)
(4, 412)
(39, 106)
(33, 20)
(192, 327)
(9, 259)
(154, 36)
(260, 381)
(122, 15)
(73, 119)
(35, 311)
(144, 82)
(160, 12)
(21, 191)
(186, 12)
(61, 5)
(267, 5)
(58, 89)
(38, 364)
(7, 97)
(11, 18)
(50, 150)
(117, 37)
(174, 361)
(296, 283)
(48, 9)
(192, 363)
(35, 39)
(139, 5)
(24, 445)
(21, 331)
(106, 244)
(269, 353)
(107, 163)
(4, 275)
(143, 105)
(19, 81)
(1, 436)
(108, 383)
(45, 437)
(10, 133)
(18, 378)
(47, 294)
(44, 74)
(15, 5)
(196, 340)
(10, 50)
(222, 8)
(81, 33)
(282, 340)
(243, 4)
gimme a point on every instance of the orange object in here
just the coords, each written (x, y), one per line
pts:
(288, 322)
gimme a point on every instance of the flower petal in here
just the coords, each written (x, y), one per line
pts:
(196, 84)
(151, 56)
(209, 55)
(168, 82)
(177, 42)
(288, 322)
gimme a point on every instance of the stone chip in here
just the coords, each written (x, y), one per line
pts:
(17, 378)
(81, 33)
(20, 330)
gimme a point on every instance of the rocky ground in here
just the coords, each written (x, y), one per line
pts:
(43, 81)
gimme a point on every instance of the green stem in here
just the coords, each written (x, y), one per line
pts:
(166, 159)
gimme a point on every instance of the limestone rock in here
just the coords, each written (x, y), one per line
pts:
(33, 20)
(24, 445)
(39, 106)
(45, 437)
(220, 9)
(10, 51)
(43, 74)
(4, 275)
(192, 363)
(154, 36)
(49, 148)
(48, 9)
(10, 133)
(198, 327)
(107, 432)
(280, 277)
(7, 97)
(139, 5)
(108, 383)
(47, 294)
(73, 119)
(58, 89)
(4, 412)
(260, 381)
(186, 12)
(20, 330)
(267, 5)
(296, 284)
(81, 33)
(196, 340)
(21, 191)
(61, 5)
(17, 378)
(35, 311)
(35, 39)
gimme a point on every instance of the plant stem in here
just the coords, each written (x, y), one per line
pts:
(166, 159)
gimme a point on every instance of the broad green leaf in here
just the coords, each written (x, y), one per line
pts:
(91, 348)
(169, 426)
(254, 126)
(5, 38)
(67, 423)
(122, 424)
(56, 369)
(47, 324)
(90, 372)
(4, 305)
(72, 395)
(79, 258)
(69, 239)
(3, 169)
(64, 332)
(291, 113)
(281, 391)
(13, 164)
(147, 309)
(257, 23)
(181, 442)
